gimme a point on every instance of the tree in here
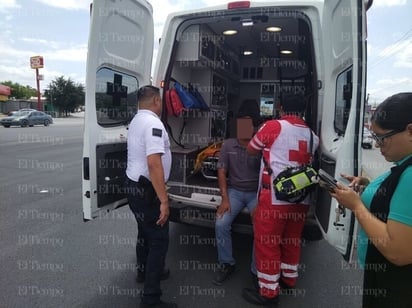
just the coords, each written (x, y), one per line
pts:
(65, 94)
(19, 91)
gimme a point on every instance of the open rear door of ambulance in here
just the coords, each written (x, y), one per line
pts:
(344, 59)
(118, 62)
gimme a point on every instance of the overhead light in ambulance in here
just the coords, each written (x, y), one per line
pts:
(286, 52)
(230, 32)
(238, 5)
(247, 22)
(273, 29)
(248, 53)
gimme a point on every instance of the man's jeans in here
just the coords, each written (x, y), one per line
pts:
(223, 226)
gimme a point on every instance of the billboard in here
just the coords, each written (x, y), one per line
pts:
(36, 62)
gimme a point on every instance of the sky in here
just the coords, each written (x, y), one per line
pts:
(58, 31)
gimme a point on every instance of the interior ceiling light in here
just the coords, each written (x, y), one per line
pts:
(247, 22)
(273, 29)
(230, 32)
(286, 52)
(247, 53)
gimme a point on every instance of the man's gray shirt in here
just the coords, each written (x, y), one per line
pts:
(242, 168)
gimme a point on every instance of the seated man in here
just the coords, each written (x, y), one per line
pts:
(238, 176)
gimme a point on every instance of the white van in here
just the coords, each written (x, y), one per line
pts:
(314, 48)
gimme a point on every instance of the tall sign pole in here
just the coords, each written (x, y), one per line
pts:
(36, 62)
(38, 89)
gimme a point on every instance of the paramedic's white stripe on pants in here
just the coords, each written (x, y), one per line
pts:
(268, 277)
(290, 275)
(270, 286)
(293, 267)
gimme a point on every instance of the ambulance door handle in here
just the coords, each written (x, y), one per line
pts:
(328, 161)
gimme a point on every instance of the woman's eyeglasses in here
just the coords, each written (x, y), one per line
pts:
(379, 139)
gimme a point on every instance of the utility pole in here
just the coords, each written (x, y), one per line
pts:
(36, 62)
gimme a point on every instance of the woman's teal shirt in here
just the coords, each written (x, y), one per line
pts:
(400, 207)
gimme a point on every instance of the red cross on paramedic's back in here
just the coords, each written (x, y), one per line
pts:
(302, 155)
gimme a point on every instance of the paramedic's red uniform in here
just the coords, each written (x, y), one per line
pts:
(278, 224)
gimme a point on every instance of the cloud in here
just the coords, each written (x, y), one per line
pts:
(394, 48)
(76, 53)
(397, 55)
(386, 3)
(72, 54)
(394, 81)
(404, 57)
(386, 87)
(37, 41)
(8, 53)
(161, 9)
(215, 2)
(67, 4)
(6, 5)
(15, 63)
(400, 51)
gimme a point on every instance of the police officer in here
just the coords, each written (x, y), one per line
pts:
(148, 169)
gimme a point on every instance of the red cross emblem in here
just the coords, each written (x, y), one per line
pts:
(302, 156)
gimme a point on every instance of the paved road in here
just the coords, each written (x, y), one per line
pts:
(50, 258)
(374, 163)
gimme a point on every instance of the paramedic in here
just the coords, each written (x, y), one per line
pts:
(384, 209)
(148, 169)
(278, 224)
(238, 177)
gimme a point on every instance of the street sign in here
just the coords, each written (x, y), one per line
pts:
(36, 62)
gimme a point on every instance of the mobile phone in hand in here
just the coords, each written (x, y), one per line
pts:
(326, 181)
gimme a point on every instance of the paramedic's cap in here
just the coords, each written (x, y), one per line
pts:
(292, 103)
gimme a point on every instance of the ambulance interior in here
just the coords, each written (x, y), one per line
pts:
(264, 54)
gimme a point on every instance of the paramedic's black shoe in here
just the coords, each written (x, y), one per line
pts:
(284, 286)
(163, 276)
(223, 273)
(252, 296)
(255, 281)
(158, 305)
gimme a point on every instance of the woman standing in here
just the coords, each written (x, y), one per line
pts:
(384, 210)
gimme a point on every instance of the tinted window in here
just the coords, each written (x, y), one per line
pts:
(116, 97)
(343, 100)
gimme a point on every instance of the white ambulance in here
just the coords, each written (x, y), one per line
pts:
(238, 52)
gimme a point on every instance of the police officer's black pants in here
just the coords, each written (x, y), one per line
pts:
(152, 240)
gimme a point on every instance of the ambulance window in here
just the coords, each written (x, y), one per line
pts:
(343, 100)
(266, 107)
(116, 97)
(267, 96)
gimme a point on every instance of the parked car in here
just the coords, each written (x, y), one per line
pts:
(367, 141)
(12, 113)
(27, 109)
(27, 118)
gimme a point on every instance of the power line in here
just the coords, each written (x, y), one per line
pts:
(392, 48)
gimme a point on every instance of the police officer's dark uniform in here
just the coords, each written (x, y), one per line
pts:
(148, 169)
